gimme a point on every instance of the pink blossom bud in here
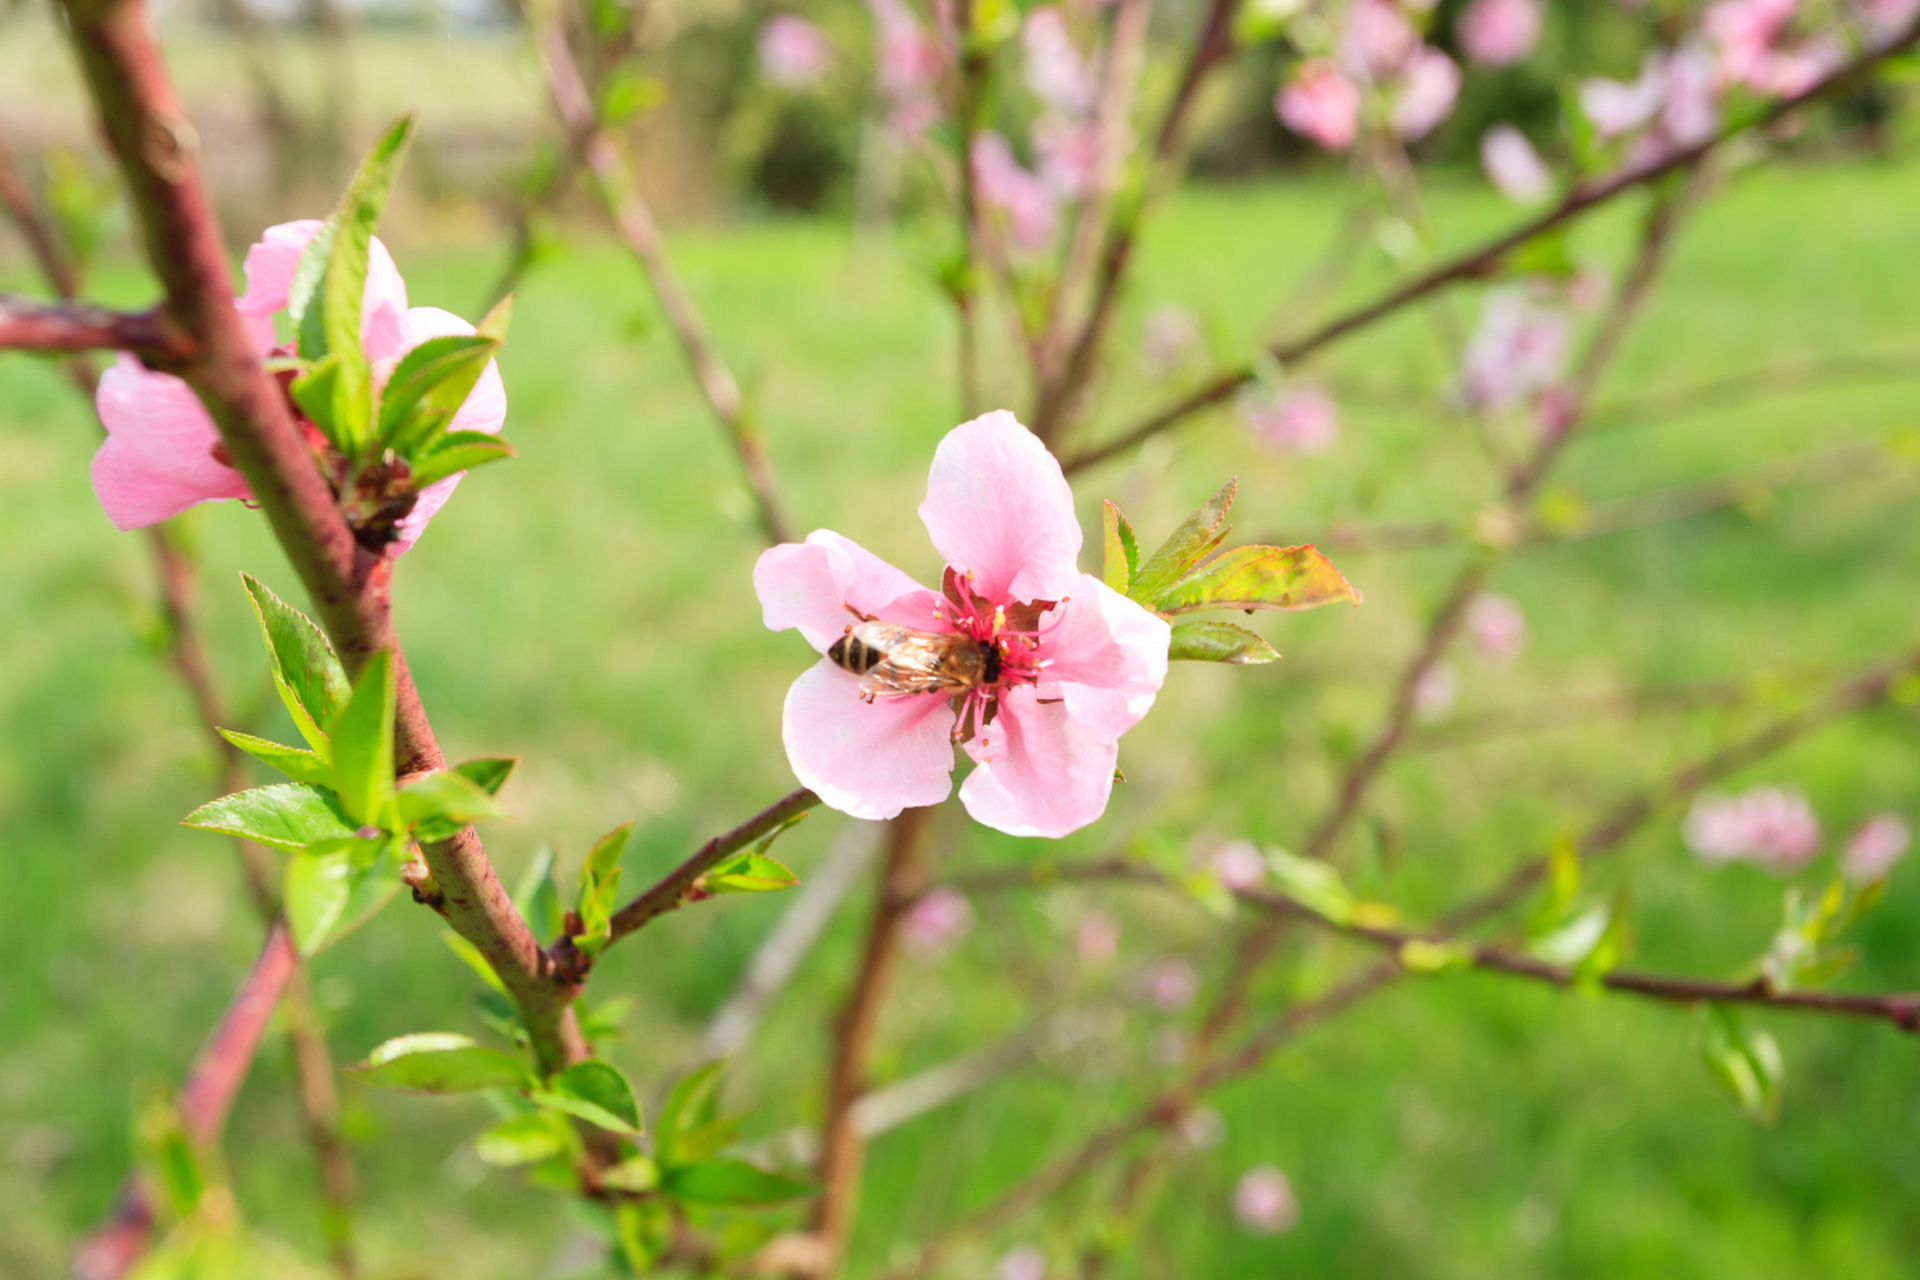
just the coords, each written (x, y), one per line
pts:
(936, 923)
(1615, 109)
(1012, 192)
(1299, 418)
(1022, 1262)
(1238, 866)
(1874, 847)
(1499, 33)
(1514, 166)
(1435, 692)
(1170, 984)
(1427, 94)
(1320, 103)
(1497, 627)
(1069, 155)
(1264, 1203)
(1692, 111)
(1517, 352)
(1055, 71)
(1377, 40)
(793, 52)
(1772, 828)
(1097, 939)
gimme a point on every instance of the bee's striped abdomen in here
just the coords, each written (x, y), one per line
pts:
(851, 653)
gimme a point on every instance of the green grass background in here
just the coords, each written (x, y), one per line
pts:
(588, 607)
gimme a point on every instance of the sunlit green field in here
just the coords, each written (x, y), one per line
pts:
(588, 607)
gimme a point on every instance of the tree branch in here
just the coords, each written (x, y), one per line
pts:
(1476, 262)
(26, 325)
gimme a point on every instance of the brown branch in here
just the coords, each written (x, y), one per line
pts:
(26, 325)
(42, 241)
(843, 1147)
(971, 61)
(1477, 262)
(158, 152)
(634, 223)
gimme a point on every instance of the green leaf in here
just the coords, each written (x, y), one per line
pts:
(691, 1116)
(729, 1182)
(448, 797)
(489, 773)
(440, 1062)
(363, 745)
(538, 900)
(750, 873)
(604, 858)
(1422, 955)
(316, 890)
(428, 387)
(329, 283)
(374, 886)
(287, 815)
(527, 1139)
(607, 1020)
(1120, 551)
(1315, 885)
(318, 393)
(1204, 530)
(471, 957)
(1256, 577)
(301, 766)
(306, 672)
(161, 1145)
(643, 1230)
(1574, 941)
(455, 452)
(596, 1092)
(638, 1174)
(1218, 642)
(1563, 885)
(1746, 1063)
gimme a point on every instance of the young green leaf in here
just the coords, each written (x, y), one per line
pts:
(301, 766)
(750, 873)
(1120, 551)
(444, 800)
(471, 957)
(329, 282)
(306, 671)
(729, 1182)
(1204, 530)
(692, 1110)
(373, 887)
(316, 890)
(363, 745)
(1195, 641)
(428, 386)
(538, 900)
(440, 1062)
(161, 1145)
(287, 815)
(607, 1020)
(1313, 884)
(637, 1174)
(604, 858)
(1746, 1063)
(596, 1092)
(319, 395)
(643, 1229)
(1256, 577)
(524, 1140)
(458, 451)
(1422, 955)
(1574, 941)
(489, 773)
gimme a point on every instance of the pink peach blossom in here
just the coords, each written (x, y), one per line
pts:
(1238, 865)
(1012, 192)
(936, 923)
(1170, 984)
(1203, 1128)
(910, 64)
(1767, 826)
(1376, 41)
(1884, 20)
(1264, 1203)
(1614, 108)
(162, 451)
(1874, 847)
(1079, 664)
(793, 52)
(1022, 1262)
(1428, 89)
(1168, 336)
(1055, 71)
(1517, 352)
(1068, 152)
(1096, 940)
(1743, 33)
(1499, 33)
(1435, 692)
(1320, 103)
(1298, 418)
(1514, 166)
(1497, 627)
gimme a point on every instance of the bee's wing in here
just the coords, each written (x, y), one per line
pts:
(912, 662)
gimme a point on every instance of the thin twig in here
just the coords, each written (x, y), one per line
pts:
(1475, 262)
(26, 325)
(970, 61)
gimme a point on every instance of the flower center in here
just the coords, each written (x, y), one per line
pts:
(1010, 638)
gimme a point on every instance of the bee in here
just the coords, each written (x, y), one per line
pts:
(893, 661)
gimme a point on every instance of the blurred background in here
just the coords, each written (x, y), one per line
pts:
(588, 607)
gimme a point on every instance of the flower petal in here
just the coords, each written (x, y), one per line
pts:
(998, 505)
(1107, 657)
(1040, 771)
(810, 584)
(867, 759)
(484, 409)
(158, 456)
(270, 265)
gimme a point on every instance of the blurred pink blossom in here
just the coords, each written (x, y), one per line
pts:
(1320, 103)
(1012, 192)
(1298, 418)
(1264, 1203)
(1097, 939)
(1055, 71)
(1883, 20)
(1497, 627)
(1514, 166)
(936, 923)
(1170, 984)
(1203, 1128)
(1376, 41)
(1743, 33)
(1069, 155)
(1767, 826)
(1435, 692)
(1238, 865)
(1499, 33)
(1022, 1262)
(909, 67)
(1516, 353)
(1168, 337)
(1874, 847)
(1691, 114)
(793, 52)
(1615, 109)
(1428, 90)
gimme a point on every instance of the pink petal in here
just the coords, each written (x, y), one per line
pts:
(867, 759)
(1108, 658)
(1040, 771)
(158, 456)
(484, 409)
(810, 584)
(270, 266)
(998, 506)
